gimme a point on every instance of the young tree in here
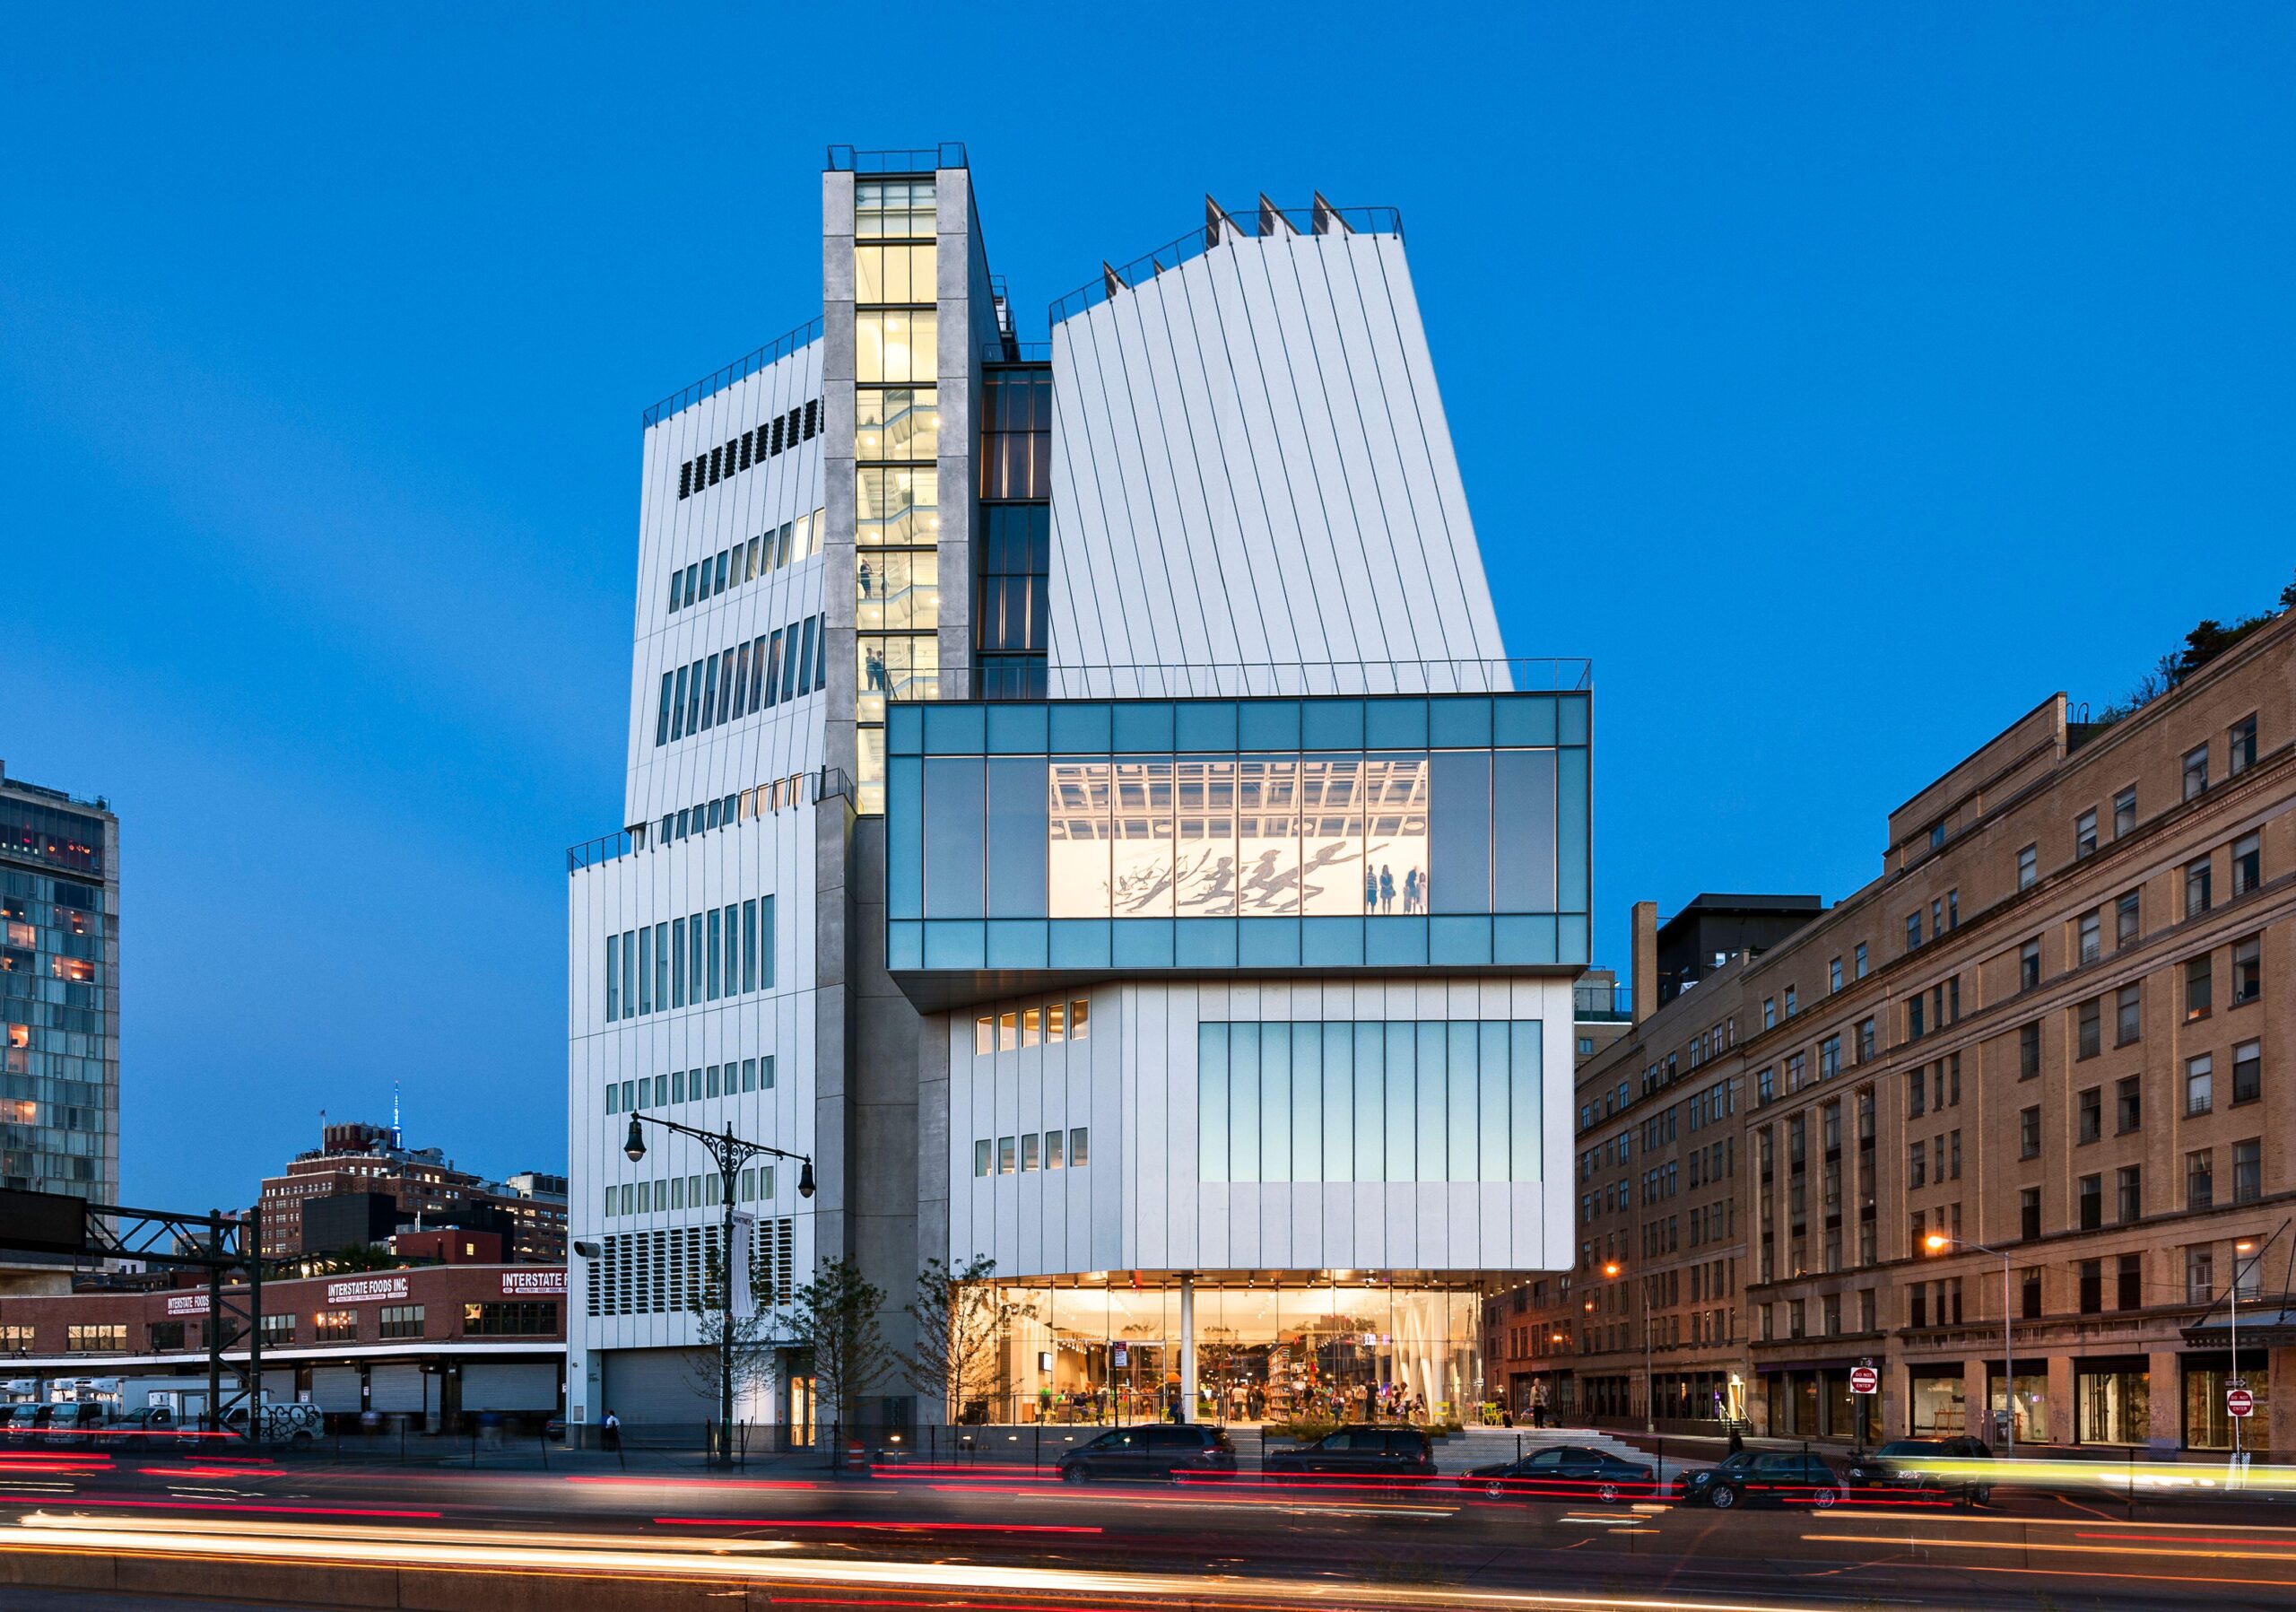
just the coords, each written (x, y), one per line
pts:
(962, 1321)
(743, 1355)
(835, 1317)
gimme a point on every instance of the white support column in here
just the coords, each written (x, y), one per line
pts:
(1187, 1346)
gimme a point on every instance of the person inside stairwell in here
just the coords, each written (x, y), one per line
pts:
(1387, 888)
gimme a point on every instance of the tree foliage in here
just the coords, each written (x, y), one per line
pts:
(963, 1320)
(835, 1316)
(749, 1362)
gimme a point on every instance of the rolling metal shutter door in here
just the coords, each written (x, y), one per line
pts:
(500, 1385)
(335, 1387)
(395, 1387)
(653, 1385)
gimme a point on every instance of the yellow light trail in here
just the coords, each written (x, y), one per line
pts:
(720, 1560)
(2214, 1554)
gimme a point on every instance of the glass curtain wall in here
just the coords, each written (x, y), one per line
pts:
(1264, 1352)
(896, 443)
(1012, 620)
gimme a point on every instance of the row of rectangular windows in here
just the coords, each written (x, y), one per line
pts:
(800, 424)
(685, 961)
(688, 1192)
(1018, 1027)
(1005, 1158)
(749, 677)
(791, 541)
(727, 1079)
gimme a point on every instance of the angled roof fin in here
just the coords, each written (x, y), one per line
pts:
(1219, 228)
(1271, 221)
(1109, 278)
(1328, 220)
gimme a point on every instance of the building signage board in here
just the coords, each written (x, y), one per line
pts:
(366, 1288)
(537, 1283)
(186, 1303)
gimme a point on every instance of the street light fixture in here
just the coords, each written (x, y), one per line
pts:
(1938, 1242)
(730, 1153)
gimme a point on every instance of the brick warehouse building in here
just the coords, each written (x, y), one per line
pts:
(2056, 1026)
(429, 1343)
(420, 1187)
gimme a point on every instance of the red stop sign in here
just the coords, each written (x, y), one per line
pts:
(1864, 1379)
(2239, 1402)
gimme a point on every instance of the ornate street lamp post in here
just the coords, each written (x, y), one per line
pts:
(731, 1153)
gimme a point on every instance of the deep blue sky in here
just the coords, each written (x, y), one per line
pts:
(1842, 380)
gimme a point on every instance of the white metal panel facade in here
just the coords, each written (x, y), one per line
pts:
(1252, 469)
(1138, 1204)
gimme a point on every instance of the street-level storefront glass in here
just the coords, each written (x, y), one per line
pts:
(2208, 1424)
(2112, 1401)
(2029, 1395)
(1936, 1406)
(1264, 1352)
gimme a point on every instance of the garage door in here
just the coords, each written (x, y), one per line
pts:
(498, 1385)
(646, 1386)
(395, 1387)
(335, 1387)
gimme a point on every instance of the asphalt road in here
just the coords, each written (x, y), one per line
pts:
(967, 1532)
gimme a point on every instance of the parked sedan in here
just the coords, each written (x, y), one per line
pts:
(1779, 1477)
(1565, 1472)
(1927, 1467)
(1152, 1453)
(1356, 1452)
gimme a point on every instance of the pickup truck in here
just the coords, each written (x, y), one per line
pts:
(283, 1423)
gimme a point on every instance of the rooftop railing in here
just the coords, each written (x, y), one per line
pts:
(1250, 679)
(1597, 1003)
(1304, 221)
(810, 788)
(741, 368)
(949, 154)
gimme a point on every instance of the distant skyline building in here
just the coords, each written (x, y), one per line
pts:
(1077, 794)
(59, 992)
(371, 1184)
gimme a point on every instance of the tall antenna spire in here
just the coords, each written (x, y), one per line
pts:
(398, 1137)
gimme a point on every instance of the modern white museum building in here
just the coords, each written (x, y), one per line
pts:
(1078, 796)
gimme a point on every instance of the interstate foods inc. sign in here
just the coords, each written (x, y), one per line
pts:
(365, 1288)
(533, 1283)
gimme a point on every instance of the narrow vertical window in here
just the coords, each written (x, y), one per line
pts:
(662, 719)
(805, 659)
(709, 695)
(713, 955)
(693, 698)
(740, 677)
(820, 658)
(645, 970)
(677, 708)
(749, 945)
(765, 953)
(789, 665)
(759, 682)
(677, 963)
(614, 978)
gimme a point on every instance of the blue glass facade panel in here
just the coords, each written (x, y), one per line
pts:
(1332, 834)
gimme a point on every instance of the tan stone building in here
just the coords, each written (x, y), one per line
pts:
(2054, 1033)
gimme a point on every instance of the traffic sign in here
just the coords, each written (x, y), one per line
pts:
(2239, 1402)
(1864, 1379)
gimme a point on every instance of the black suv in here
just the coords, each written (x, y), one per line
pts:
(1564, 1472)
(1356, 1452)
(1154, 1451)
(1782, 1477)
(1927, 1467)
